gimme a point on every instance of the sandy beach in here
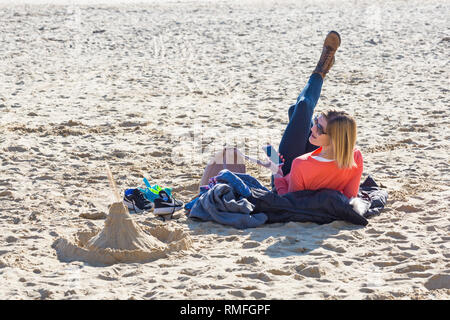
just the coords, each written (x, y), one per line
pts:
(155, 88)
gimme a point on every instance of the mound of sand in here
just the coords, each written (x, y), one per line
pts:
(121, 240)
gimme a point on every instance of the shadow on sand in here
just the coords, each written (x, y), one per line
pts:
(283, 239)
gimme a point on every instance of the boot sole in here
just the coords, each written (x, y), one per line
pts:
(338, 35)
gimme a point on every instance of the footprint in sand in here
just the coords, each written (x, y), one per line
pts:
(374, 231)
(192, 272)
(259, 276)
(396, 235)
(237, 293)
(311, 271)
(334, 248)
(438, 281)
(17, 148)
(150, 294)
(412, 268)
(6, 194)
(45, 294)
(366, 290)
(11, 239)
(383, 264)
(248, 260)
(250, 244)
(408, 209)
(107, 276)
(258, 295)
(232, 238)
(278, 272)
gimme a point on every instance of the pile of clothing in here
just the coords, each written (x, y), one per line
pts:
(241, 201)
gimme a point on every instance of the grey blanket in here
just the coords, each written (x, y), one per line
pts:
(223, 205)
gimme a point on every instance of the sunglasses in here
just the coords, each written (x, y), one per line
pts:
(320, 129)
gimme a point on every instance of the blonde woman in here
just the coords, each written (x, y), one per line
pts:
(320, 153)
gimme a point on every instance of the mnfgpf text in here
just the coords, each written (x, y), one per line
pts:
(239, 309)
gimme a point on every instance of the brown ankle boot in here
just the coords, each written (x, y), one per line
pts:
(326, 61)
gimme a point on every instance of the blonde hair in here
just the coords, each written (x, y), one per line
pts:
(341, 128)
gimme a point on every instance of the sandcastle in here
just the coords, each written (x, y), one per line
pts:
(121, 240)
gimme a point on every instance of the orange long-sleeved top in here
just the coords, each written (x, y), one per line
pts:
(308, 173)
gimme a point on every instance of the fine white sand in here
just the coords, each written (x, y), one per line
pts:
(155, 88)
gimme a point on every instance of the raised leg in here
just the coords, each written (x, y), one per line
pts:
(295, 140)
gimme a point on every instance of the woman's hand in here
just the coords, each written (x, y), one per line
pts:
(279, 173)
